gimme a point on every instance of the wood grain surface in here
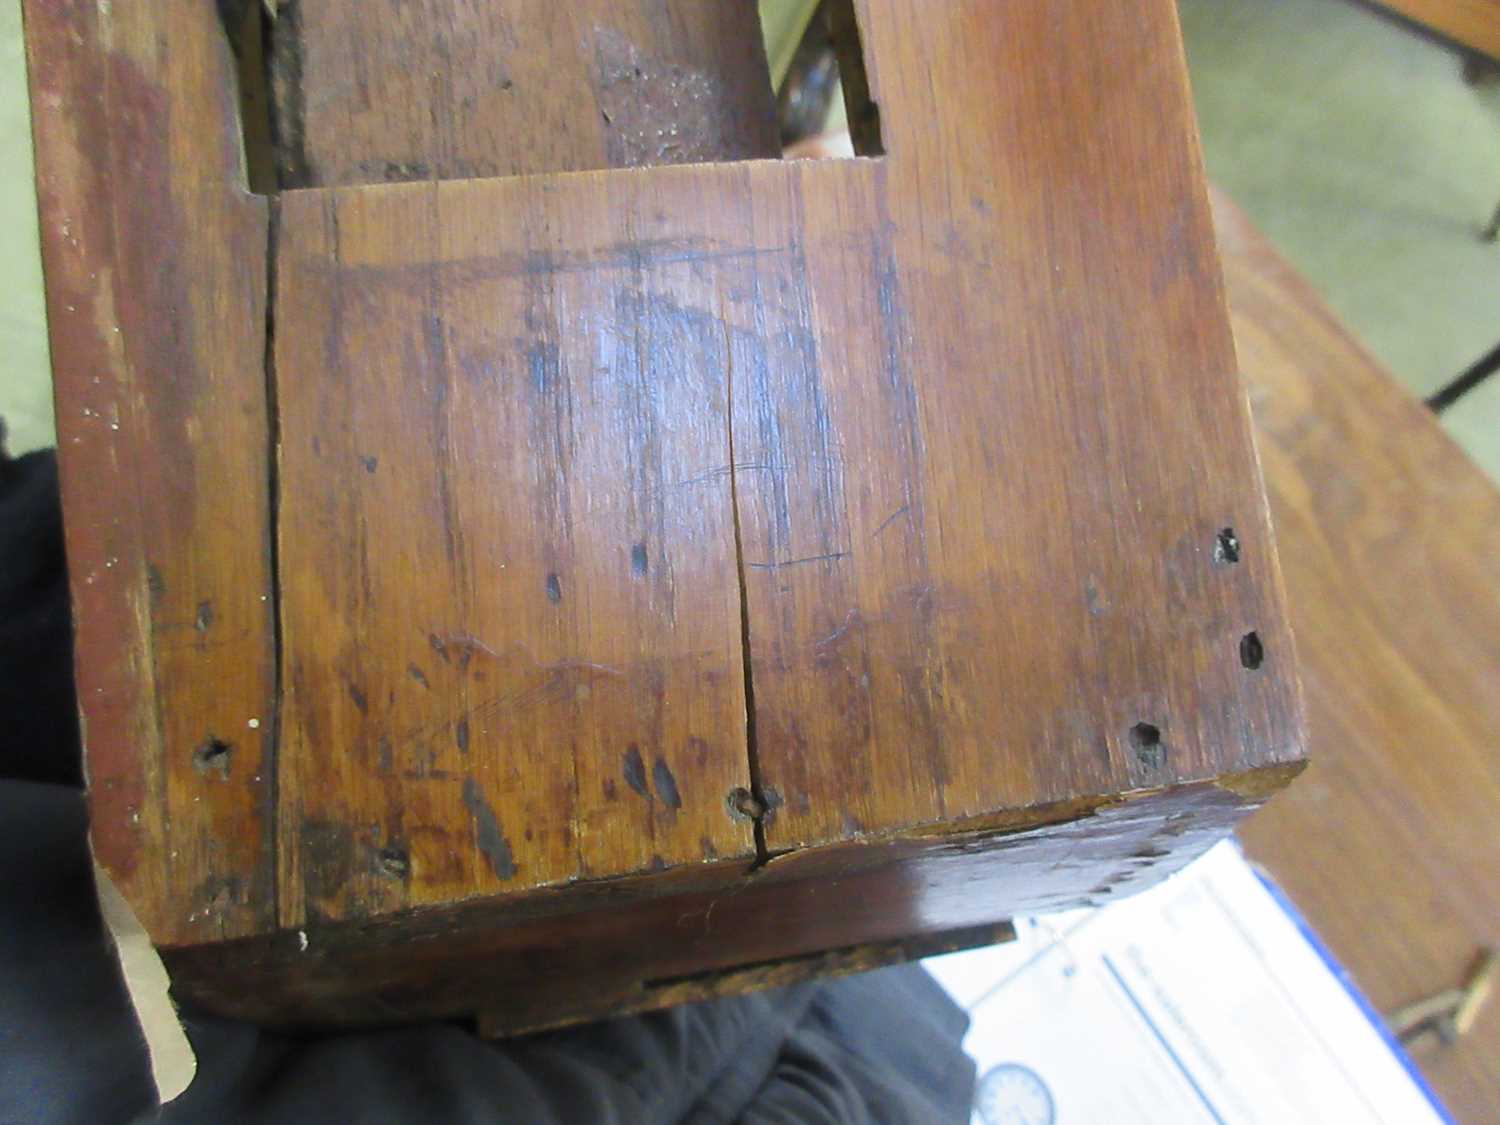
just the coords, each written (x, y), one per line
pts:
(370, 91)
(975, 560)
(981, 554)
(156, 287)
(509, 594)
(847, 550)
(554, 957)
(1390, 540)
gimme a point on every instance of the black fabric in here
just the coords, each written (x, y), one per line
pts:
(883, 1047)
(36, 636)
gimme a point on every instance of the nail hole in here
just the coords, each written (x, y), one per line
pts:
(743, 805)
(1226, 547)
(1252, 652)
(1146, 740)
(394, 862)
(213, 757)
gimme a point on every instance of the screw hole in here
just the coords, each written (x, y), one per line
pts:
(213, 757)
(1252, 652)
(1146, 740)
(743, 805)
(394, 862)
(1226, 547)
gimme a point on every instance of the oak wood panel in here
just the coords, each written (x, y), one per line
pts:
(1390, 540)
(379, 90)
(1472, 23)
(162, 434)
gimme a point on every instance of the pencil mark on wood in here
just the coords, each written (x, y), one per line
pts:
(890, 519)
(830, 557)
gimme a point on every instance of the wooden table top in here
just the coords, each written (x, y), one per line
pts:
(1390, 548)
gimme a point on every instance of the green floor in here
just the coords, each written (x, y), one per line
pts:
(1352, 142)
(1357, 147)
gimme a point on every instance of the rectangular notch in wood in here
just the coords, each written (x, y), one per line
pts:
(436, 90)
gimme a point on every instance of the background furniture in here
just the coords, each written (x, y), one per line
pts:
(1390, 542)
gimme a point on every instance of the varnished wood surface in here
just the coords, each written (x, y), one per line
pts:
(509, 594)
(635, 526)
(155, 260)
(370, 91)
(1390, 541)
(981, 548)
(559, 956)
(528, 424)
(1471, 23)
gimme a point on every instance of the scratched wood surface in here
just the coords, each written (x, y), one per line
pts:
(980, 530)
(1390, 538)
(507, 548)
(721, 530)
(975, 560)
(378, 90)
(162, 433)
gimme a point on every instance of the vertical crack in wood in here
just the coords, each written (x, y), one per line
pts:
(762, 854)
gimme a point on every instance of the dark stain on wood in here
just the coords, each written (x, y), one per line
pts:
(666, 784)
(554, 588)
(487, 831)
(461, 735)
(416, 673)
(328, 858)
(639, 562)
(155, 584)
(635, 771)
